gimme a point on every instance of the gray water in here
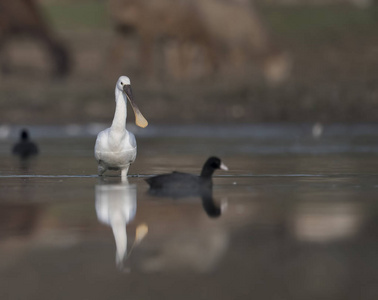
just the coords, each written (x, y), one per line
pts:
(299, 216)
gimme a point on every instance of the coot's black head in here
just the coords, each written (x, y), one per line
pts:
(214, 162)
(211, 165)
(24, 135)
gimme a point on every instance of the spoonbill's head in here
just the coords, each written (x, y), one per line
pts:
(124, 85)
(122, 82)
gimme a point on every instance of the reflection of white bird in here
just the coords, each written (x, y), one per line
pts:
(116, 206)
(115, 147)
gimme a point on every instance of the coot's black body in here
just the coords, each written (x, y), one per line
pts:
(178, 181)
(25, 148)
(187, 182)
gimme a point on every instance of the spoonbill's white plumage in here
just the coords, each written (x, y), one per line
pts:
(115, 147)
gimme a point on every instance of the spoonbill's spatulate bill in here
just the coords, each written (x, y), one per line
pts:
(115, 147)
(187, 182)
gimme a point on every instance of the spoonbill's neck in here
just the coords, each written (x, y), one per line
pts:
(119, 121)
(118, 225)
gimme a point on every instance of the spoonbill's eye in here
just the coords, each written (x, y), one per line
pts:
(121, 83)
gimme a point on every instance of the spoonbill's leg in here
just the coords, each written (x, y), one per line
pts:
(101, 168)
(124, 173)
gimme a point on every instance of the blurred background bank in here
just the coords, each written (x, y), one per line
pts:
(212, 61)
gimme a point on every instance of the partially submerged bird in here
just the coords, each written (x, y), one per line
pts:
(25, 148)
(184, 182)
(115, 147)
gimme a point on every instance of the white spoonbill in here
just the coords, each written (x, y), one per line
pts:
(115, 147)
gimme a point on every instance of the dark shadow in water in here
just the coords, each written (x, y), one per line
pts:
(116, 205)
(212, 209)
(18, 219)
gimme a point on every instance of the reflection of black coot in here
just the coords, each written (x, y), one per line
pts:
(178, 185)
(206, 194)
(25, 148)
(208, 203)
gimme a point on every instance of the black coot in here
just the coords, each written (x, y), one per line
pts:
(184, 181)
(180, 185)
(25, 147)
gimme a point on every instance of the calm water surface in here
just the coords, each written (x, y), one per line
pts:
(298, 217)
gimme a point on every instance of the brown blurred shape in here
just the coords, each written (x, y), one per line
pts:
(24, 18)
(18, 219)
(226, 31)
